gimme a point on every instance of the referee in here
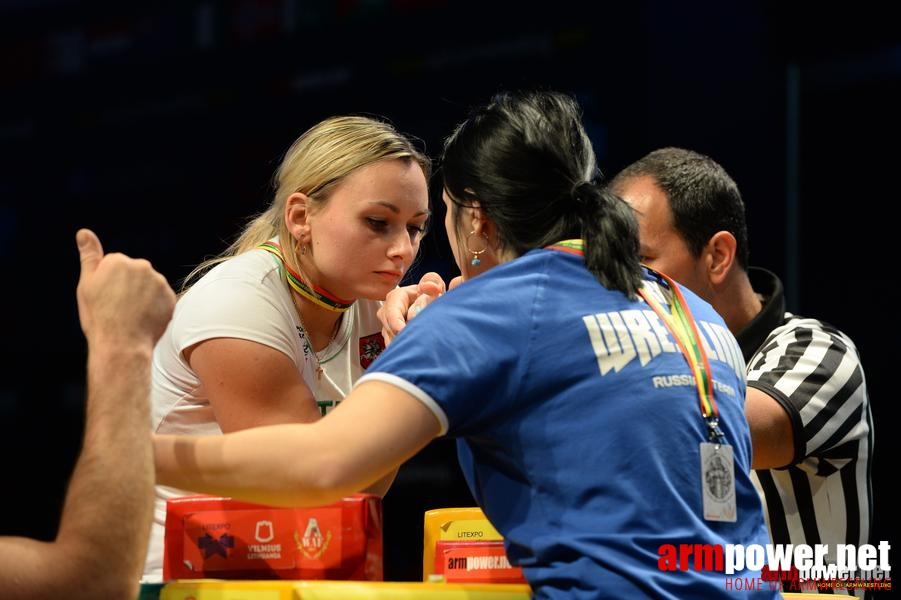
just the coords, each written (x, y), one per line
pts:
(807, 401)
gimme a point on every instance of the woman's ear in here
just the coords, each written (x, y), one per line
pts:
(478, 220)
(297, 215)
(483, 225)
(475, 216)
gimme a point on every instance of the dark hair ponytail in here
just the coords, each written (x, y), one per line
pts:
(519, 157)
(610, 232)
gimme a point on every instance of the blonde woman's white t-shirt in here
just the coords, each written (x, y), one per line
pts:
(245, 297)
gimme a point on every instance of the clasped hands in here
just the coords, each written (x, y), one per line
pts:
(405, 302)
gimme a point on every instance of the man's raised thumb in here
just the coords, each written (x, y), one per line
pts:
(89, 249)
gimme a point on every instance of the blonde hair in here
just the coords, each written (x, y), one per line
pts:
(315, 164)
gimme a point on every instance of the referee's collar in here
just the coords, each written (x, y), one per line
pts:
(752, 335)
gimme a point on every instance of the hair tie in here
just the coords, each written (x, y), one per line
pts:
(582, 192)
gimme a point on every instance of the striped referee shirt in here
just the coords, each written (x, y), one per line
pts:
(814, 371)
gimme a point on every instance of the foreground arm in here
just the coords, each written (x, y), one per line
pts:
(254, 385)
(368, 435)
(249, 384)
(123, 306)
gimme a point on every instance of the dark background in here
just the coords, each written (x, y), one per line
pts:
(159, 125)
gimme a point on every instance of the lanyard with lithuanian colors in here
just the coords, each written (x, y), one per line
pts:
(718, 490)
(684, 329)
(314, 294)
(718, 495)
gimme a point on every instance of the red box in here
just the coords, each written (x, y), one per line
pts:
(220, 538)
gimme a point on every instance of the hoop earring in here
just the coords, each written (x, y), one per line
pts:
(476, 261)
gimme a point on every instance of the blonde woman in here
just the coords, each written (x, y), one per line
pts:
(279, 327)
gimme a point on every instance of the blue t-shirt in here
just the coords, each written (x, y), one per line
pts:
(579, 425)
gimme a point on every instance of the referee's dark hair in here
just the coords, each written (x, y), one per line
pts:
(703, 198)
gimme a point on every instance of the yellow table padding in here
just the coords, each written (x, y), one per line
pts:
(210, 589)
(219, 589)
(216, 589)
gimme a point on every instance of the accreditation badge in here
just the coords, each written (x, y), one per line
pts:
(718, 482)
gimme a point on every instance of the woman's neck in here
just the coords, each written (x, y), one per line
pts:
(321, 324)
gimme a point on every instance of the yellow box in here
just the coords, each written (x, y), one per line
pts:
(464, 527)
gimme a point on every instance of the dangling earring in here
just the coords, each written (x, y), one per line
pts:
(476, 261)
(303, 248)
